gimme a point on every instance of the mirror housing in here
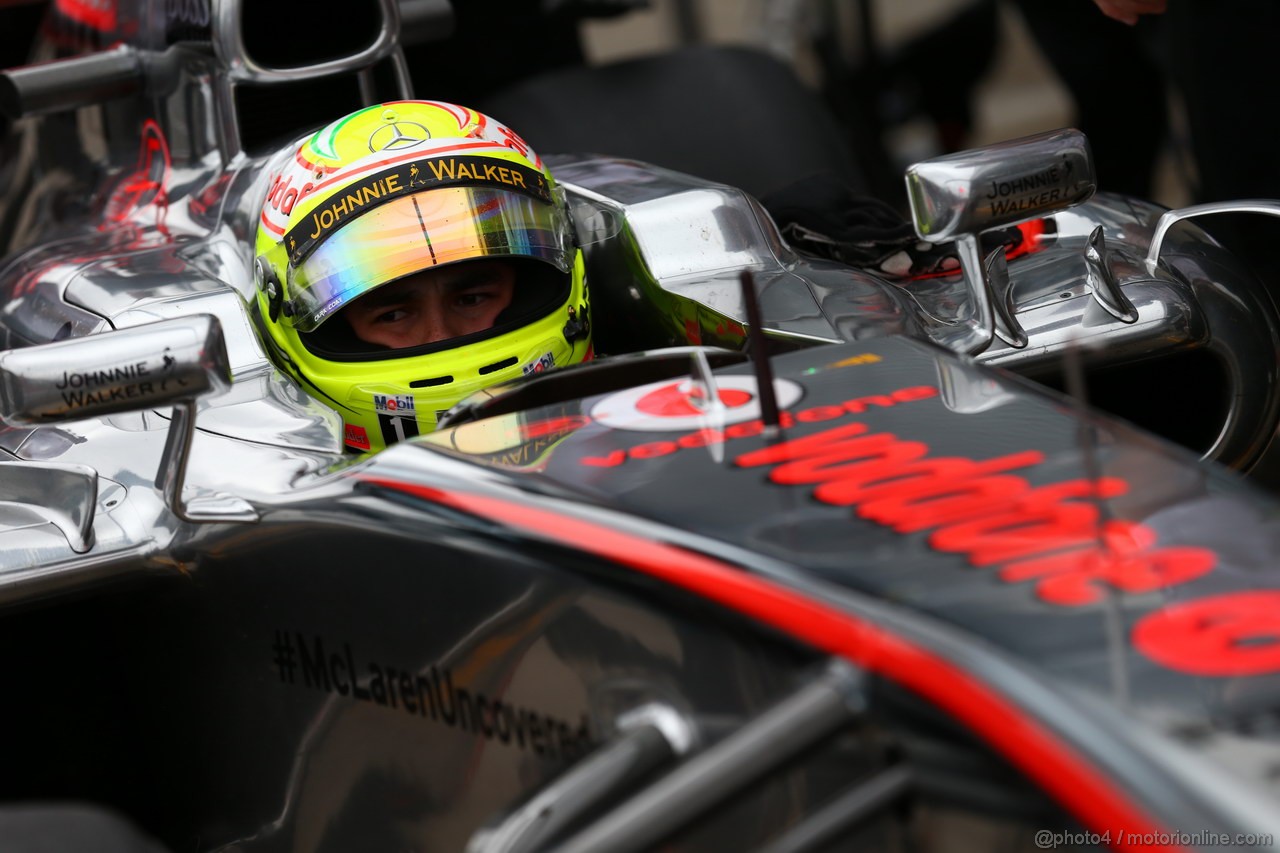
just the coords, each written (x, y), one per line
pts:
(958, 196)
(168, 363)
(142, 367)
(1002, 184)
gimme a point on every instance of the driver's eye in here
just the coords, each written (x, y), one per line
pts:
(395, 315)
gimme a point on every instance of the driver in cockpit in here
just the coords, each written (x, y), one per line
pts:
(410, 254)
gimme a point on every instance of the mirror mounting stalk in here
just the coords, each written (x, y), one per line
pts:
(959, 196)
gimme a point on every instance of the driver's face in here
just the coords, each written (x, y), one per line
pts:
(434, 305)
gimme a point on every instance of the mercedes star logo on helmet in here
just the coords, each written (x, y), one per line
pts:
(398, 135)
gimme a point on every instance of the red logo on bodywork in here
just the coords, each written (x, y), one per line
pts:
(356, 437)
(1237, 633)
(97, 15)
(659, 405)
(672, 402)
(1050, 535)
(145, 185)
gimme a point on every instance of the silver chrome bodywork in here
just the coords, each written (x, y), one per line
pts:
(677, 239)
(671, 246)
(958, 196)
(1001, 184)
(271, 545)
(1265, 207)
(664, 253)
(666, 246)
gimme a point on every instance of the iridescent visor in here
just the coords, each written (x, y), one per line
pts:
(416, 232)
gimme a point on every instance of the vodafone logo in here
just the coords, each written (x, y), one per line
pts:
(669, 405)
(283, 195)
(293, 184)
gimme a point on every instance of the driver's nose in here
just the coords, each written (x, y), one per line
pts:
(432, 330)
(433, 318)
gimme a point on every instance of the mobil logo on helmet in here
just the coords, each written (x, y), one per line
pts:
(393, 404)
(676, 404)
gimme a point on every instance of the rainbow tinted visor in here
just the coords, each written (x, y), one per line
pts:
(416, 232)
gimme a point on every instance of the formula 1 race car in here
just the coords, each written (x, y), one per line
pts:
(796, 564)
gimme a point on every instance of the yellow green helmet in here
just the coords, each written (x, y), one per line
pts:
(394, 192)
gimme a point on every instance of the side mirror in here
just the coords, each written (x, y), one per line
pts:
(959, 196)
(169, 363)
(1002, 184)
(141, 367)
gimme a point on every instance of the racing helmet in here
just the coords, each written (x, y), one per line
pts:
(391, 191)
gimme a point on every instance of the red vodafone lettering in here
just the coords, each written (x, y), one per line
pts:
(654, 449)
(666, 402)
(1039, 520)
(931, 492)
(701, 438)
(820, 413)
(1224, 635)
(614, 459)
(283, 195)
(1050, 535)
(746, 430)
(1130, 563)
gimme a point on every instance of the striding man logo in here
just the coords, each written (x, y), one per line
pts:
(397, 136)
